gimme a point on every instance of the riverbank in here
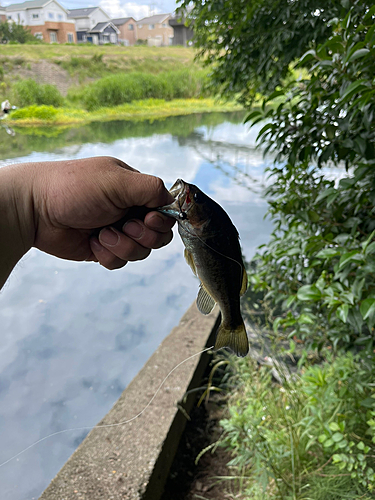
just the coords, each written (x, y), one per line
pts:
(140, 110)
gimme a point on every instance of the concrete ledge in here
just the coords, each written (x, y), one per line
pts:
(132, 461)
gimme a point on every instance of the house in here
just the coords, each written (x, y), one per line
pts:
(46, 19)
(128, 30)
(155, 30)
(3, 16)
(89, 25)
(182, 33)
(103, 33)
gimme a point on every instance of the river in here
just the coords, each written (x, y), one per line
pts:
(73, 335)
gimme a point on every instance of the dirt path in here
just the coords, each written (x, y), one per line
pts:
(44, 71)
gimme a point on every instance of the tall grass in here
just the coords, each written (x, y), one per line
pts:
(29, 92)
(124, 88)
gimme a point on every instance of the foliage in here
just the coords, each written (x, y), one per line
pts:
(124, 88)
(320, 263)
(38, 112)
(251, 46)
(13, 32)
(29, 92)
(284, 437)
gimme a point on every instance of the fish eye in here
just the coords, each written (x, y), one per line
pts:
(182, 215)
(197, 197)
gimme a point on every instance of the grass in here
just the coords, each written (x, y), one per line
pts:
(139, 110)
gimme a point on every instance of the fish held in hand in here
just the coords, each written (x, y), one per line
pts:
(213, 252)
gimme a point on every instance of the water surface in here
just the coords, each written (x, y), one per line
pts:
(73, 335)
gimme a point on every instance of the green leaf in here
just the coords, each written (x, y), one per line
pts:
(342, 312)
(367, 308)
(309, 292)
(327, 253)
(361, 445)
(357, 54)
(334, 426)
(337, 437)
(353, 87)
(350, 256)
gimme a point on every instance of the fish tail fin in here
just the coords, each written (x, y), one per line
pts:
(235, 339)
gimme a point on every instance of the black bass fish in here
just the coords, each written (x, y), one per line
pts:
(213, 252)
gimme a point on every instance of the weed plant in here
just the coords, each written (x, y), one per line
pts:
(29, 92)
(311, 438)
(125, 88)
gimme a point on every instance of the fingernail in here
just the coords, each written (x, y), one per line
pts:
(95, 245)
(156, 221)
(133, 229)
(109, 237)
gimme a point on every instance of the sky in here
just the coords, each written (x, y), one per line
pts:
(117, 8)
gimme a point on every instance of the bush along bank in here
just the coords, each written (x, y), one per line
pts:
(124, 96)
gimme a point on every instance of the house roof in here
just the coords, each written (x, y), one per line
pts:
(73, 13)
(157, 19)
(121, 20)
(100, 27)
(31, 4)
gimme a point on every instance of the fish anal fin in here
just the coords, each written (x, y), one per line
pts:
(236, 340)
(244, 282)
(205, 302)
(189, 259)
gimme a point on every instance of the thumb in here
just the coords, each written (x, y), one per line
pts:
(135, 189)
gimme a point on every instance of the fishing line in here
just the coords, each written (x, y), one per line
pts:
(214, 249)
(92, 427)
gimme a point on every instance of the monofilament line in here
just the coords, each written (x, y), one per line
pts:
(92, 427)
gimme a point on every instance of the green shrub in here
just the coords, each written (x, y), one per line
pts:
(283, 437)
(29, 92)
(38, 112)
(124, 88)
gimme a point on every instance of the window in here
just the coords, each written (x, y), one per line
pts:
(51, 15)
(164, 25)
(53, 37)
(151, 26)
(113, 38)
(131, 27)
(60, 17)
(140, 26)
(39, 36)
(9, 17)
(35, 16)
(70, 38)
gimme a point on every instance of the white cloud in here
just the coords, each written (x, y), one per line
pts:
(116, 8)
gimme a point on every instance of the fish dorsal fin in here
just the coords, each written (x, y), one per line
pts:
(205, 302)
(190, 261)
(244, 282)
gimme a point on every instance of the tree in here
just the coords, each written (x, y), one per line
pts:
(319, 266)
(252, 44)
(12, 32)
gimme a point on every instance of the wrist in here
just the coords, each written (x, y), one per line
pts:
(17, 218)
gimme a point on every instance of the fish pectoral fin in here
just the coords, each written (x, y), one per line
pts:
(244, 282)
(236, 340)
(189, 259)
(205, 302)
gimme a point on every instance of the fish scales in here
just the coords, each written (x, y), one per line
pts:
(214, 254)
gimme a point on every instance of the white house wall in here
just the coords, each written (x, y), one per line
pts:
(98, 16)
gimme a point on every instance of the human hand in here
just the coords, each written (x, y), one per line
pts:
(61, 203)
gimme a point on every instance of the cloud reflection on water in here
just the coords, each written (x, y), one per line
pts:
(74, 334)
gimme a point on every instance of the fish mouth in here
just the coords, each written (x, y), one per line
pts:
(177, 208)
